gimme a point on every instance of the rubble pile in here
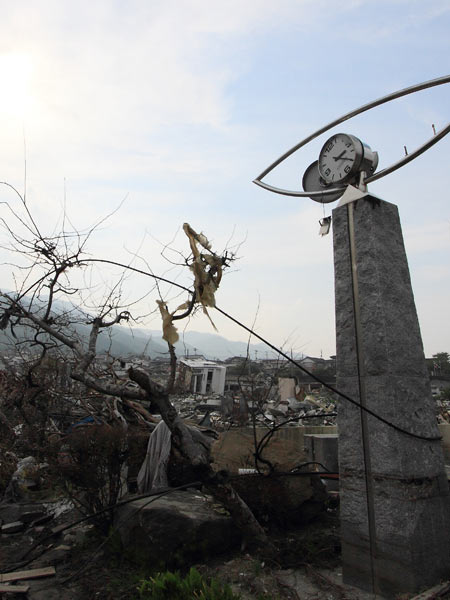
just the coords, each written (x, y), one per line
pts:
(259, 399)
(443, 411)
(223, 412)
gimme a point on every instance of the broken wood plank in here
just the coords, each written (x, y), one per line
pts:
(13, 589)
(29, 574)
(435, 592)
(13, 527)
(32, 515)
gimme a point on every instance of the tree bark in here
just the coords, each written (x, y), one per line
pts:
(254, 535)
(196, 449)
(197, 454)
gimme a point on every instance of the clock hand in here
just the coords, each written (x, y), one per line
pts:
(340, 155)
(343, 158)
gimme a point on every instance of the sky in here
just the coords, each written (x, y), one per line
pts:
(167, 110)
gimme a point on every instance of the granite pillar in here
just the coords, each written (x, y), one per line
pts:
(394, 491)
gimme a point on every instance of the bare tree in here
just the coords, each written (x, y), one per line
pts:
(50, 268)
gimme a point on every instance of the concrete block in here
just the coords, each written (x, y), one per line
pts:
(323, 448)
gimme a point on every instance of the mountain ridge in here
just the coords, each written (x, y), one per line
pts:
(121, 341)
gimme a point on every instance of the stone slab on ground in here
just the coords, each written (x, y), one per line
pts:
(179, 527)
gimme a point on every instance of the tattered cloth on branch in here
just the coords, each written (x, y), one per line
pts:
(170, 333)
(207, 270)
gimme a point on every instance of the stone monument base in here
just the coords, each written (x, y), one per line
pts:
(394, 491)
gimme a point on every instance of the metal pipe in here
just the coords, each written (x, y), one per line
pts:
(360, 361)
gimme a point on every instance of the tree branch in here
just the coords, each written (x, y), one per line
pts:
(181, 433)
(105, 387)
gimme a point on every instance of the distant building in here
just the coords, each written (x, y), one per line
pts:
(314, 364)
(273, 364)
(201, 376)
(235, 360)
(439, 383)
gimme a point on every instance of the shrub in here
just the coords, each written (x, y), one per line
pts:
(171, 586)
(89, 466)
(8, 462)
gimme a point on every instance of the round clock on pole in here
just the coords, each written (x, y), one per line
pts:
(343, 157)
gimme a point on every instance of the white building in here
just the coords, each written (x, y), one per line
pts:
(201, 376)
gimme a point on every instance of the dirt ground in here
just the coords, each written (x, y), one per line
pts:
(307, 566)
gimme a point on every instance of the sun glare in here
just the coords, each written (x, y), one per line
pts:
(15, 78)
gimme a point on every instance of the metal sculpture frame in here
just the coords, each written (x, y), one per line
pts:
(386, 171)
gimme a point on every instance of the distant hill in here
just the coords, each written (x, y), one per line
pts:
(212, 345)
(125, 342)
(122, 341)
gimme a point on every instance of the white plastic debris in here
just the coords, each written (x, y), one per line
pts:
(153, 472)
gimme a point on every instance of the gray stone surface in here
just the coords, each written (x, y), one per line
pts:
(175, 529)
(322, 448)
(398, 541)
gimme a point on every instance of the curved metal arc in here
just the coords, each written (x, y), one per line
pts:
(387, 171)
(388, 98)
(411, 156)
(295, 193)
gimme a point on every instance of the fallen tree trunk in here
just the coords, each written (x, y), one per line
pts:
(195, 448)
(196, 453)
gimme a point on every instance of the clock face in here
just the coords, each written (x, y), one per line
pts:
(340, 158)
(313, 182)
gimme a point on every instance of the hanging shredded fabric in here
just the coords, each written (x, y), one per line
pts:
(207, 268)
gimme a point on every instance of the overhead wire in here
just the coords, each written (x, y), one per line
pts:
(328, 386)
(428, 438)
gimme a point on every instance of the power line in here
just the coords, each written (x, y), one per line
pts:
(280, 352)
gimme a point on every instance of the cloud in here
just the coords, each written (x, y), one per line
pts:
(120, 92)
(180, 104)
(428, 237)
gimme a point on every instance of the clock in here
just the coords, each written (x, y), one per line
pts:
(313, 182)
(343, 157)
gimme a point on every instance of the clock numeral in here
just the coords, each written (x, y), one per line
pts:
(347, 168)
(327, 172)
